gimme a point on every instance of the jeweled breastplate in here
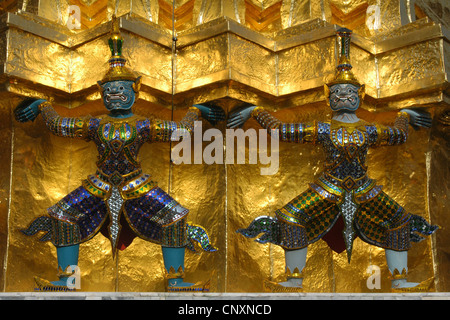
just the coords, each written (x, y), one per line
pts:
(117, 148)
(119, 175)
(346, 173)
(345, 157)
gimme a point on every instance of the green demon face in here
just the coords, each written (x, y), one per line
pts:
(118, 95)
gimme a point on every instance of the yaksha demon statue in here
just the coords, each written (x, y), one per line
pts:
(118, 200)
(343, 202)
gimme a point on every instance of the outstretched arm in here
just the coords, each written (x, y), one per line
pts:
(288, 132)
(29, 109)
(162, 130)
(398, 133)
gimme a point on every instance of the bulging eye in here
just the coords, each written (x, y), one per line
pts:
(121, 88)
(108, 89)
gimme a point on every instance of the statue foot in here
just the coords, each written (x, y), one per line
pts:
(401, 285)
(179, 285)
(58, 286)
(291, 285)
(174, 256)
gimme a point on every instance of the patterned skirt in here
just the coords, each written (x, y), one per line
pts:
(153, 216)
(309, 217)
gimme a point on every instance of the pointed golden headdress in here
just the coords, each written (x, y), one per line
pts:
(344, 72)
(117, 69)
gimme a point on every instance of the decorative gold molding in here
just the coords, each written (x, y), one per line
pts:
(284, 65)
(351, 19)
(91, 14)
(182, 15)
(261, 19)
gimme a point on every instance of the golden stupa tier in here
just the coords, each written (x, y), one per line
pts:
(277, 54)
(284, 50)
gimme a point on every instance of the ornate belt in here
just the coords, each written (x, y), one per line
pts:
(349, 183)
(116, 178)
(115, 189)
(332, 189)
(131, 185)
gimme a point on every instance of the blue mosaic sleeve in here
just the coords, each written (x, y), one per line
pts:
(162, 130)
(288, 132)
(64, 126)
(390, 135)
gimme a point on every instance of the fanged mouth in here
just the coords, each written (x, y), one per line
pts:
(351, 100)
(116, 96)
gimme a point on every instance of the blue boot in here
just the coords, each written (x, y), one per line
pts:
(174, 265)
(68, 277)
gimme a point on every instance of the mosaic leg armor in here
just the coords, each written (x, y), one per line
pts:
(155, 217)
(343, 203)
(309, 217)
(119, 200)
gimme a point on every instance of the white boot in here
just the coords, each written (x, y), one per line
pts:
(397, 262)
(295, 262)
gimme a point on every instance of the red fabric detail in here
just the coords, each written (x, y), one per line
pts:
(334, 237)
(126, 235)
